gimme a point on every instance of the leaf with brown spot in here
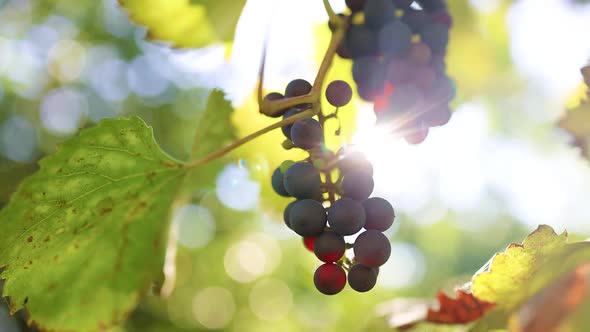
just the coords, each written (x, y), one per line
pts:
(76, 239)
(464, 308)
(505, 281)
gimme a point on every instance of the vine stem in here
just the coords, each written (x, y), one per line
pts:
(272, 107)
(220, 153)
(313, 97)
(333, 17)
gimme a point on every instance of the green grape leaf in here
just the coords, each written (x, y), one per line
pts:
(186, 23)
(511, 271)
(215, 128)
(214, 131)
(11, 173)
(83, 237)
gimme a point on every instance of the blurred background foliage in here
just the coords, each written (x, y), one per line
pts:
(486, 179)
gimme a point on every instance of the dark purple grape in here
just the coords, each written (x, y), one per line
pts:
(436, 36)
(329, 279)
(415, 19)
(329, 247)
(403, 4)
(405, 98)
(353, 160)
(357, 184)
(372, 248)
(442, 91)
(302, 180)
(361, 41)
(343, 51)
(379, 214)
(286, 213)
(365, 67)
(369, 75)
(420, 54)
(395, 39)
(275, 96)
(355, 5)
(424, 77)
(362, 278)
(287, 129)
(307, 218)
(346, 216)
(417, 135)
(432, 5)
(398, 71)
(338, 93)
(297, 87)
(378, 13)
(307, 133)
(437, 116)
(277, 183)
(443, 17)
(308, 242)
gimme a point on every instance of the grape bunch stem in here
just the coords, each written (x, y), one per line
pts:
(273, 107)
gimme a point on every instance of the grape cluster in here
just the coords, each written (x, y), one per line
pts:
(324, 212)
(398, 57)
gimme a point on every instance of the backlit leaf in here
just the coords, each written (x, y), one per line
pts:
(84, 237)
(186, 23)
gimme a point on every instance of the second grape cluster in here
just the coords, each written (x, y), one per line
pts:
(398, 50)
(332, 199)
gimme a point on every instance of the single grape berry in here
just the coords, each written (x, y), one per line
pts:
(308, 242)
(355, 5)
(442, 90)
(378, 12)
(338, 93)
(398, 71)
(297, 87)
(365, 68)
(357, 184)
(353, 160)
(424, 77)
(372, 248)
(307, 133)
(395, 39)
(302, 180)
(417, 135)
(286, 213)
(443, 17)
(329, 279)
(379, 214)
(275, 96)
(277, 183)
(415, 19)
(329, 247)
(403, 4)
(287, 129)
(432, 5)
(362, 278)
(438, 116)
(361, 41)
(436, 36)
(307, 218)
(420, 54)
(346, 216)
(405, 98)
